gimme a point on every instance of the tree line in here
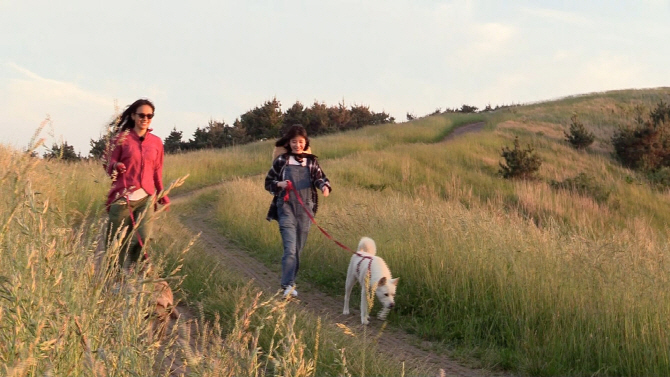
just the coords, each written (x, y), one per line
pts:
(267, 121)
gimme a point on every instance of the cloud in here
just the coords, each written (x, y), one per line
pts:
(557, 15)
(657, 3)
(492, 37)
(42, 88)
(563, 55)
(505, 87)
(481, 43)
(611, 71)
(574, 73)
(28, 98)
(78, 114)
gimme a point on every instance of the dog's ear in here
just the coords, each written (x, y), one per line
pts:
(382, 281)
(394, 281)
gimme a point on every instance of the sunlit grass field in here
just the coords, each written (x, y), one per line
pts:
(66, 311)
(526, 277)
(520, 276)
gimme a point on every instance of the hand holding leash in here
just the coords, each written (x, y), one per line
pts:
(289, 187)
(120, 167)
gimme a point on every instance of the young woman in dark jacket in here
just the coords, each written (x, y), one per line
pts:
(303, 171)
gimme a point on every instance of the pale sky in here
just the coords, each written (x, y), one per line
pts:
(78, 60)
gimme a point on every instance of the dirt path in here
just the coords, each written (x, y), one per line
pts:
(403, 346)
(474, 127)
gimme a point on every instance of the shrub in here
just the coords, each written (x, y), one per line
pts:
(98, 147)
(645, 146)
(173, 142)
(63, 152)
(629, 145)
(660, 178)
(264, 121)
(579, 137)
(585, 185)
(661, 114)
(519, 163)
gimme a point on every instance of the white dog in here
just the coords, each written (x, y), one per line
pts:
(365, 262)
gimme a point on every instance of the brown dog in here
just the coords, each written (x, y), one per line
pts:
(164, 301)
(164, 308)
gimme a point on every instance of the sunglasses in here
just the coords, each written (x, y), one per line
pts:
(142, 115)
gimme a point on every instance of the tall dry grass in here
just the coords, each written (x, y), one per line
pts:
(547, 301)
(66, 309)
(214, 286)
(519, 274)
(59, 315)
(602, 113)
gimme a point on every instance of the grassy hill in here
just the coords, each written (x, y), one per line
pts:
(519, 275)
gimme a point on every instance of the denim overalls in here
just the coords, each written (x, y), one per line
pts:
(293, 221)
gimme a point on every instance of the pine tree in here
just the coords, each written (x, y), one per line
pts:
(519, 163)
(579, 137)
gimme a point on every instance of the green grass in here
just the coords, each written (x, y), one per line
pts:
(207, 167)
(476, 279)
(519, 275)
(216, 288)
(58, 314)
(529, 278)
(65, 311)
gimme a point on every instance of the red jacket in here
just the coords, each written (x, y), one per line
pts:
(143, 158)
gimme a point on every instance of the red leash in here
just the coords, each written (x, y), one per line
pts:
(145, 256)
(289, 188)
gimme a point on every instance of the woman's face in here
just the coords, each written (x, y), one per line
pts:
(297, 144)
(142, 118)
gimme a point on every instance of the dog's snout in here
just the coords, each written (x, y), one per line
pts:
(391, 305)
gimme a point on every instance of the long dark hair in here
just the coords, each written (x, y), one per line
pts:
(295, 130)
(126, 121)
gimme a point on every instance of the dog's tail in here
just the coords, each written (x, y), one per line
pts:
(367, 245)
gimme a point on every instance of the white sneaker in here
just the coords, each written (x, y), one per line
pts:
(290, 291)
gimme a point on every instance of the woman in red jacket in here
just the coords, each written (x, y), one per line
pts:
(135, 164)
